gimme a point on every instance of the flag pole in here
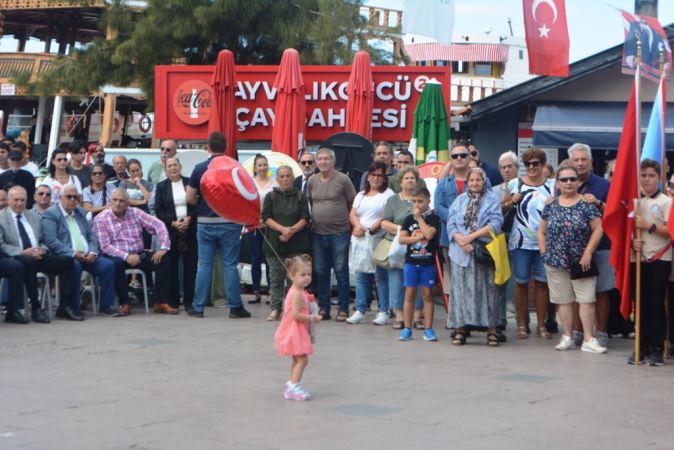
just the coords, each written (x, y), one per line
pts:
(664, 182)
(637, 209)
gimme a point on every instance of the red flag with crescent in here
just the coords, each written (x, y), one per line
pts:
(547, 37)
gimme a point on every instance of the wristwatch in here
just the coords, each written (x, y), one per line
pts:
(652, 228)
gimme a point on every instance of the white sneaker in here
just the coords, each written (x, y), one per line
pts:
(592, 346)
(565, 343)
(357, 317)
(381, 319)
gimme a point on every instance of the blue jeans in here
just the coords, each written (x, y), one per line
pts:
(331, 251)
(397, 290)
(104, 269)
(223, 237)
(254, 239)
(364, 289)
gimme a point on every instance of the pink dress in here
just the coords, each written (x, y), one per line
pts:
(292, 336)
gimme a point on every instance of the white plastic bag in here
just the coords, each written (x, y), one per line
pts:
(396, 255)
(360, 254)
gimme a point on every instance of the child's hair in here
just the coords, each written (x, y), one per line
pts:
(294, 261)
(421, 192)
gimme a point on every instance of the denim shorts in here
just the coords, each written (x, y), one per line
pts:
(417, 275)
(606, 277)
(524, 262)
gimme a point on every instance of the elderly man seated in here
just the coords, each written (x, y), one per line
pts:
(119, 230)
(21, 240)
(66, 232)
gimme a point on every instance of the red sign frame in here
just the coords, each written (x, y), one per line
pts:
(397, 91)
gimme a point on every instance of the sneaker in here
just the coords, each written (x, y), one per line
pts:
(135, 284)
(577, 337)
(429, 335)
(655, 358)
(602, 338)
(194, 313)
(565, 343)
(405, 334)
(295, 392)
(381, 319)
(238, 312)
(592, 346)
(275, 314)
(356, 317)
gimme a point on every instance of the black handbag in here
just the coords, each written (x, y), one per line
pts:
(481, 254)
(577, 272)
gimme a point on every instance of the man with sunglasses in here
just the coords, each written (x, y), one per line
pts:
(492, 172)
(42, 199)
(98, 157)
(67, 232)
(168, 149)
(308, 166)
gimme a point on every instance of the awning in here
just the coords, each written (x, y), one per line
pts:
(596, 124)
(435, 51)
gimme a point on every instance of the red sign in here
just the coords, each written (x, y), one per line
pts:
(397, 91)
(192, 102)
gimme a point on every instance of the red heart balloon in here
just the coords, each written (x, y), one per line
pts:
(231, 192)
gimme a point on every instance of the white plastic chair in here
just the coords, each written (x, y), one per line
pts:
(143, 280)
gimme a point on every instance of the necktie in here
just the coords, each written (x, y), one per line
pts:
(75, 234)
(25, 240)
(305, 182)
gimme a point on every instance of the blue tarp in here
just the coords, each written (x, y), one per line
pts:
(596, 124)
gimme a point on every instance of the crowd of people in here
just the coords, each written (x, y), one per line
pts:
(110, 221)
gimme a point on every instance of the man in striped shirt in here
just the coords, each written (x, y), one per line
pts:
(119, 230)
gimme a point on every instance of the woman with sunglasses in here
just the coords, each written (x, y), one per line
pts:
(95, 197)
(528, 195)
(569, 232)
(365, 217)
(59, 174)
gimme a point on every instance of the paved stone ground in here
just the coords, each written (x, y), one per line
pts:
(151, 382)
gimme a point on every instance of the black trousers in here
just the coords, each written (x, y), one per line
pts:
(50, 264)
(654, 278)
(13, 271)
(190, 260)
(162, 290)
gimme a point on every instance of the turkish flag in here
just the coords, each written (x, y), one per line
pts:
(547, 37)
(618, 221)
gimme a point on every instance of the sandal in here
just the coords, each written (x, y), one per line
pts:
(325, 314)
(522, 332)
(257, 299)
(398, 325)
(419, 325)
(543, 333)
(341, 317)
(459, 338)
(492, 340)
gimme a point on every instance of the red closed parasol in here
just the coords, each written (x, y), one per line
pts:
(223, 108)
(290, 110)
(361, 96)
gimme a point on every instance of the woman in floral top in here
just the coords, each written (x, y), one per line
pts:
(569, 232)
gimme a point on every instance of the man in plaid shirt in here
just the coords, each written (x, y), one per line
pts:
(119, 230)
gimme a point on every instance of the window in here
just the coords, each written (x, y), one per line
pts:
(459, 67)
(483, 69)
(441, 63)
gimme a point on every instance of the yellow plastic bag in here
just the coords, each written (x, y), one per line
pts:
(499, 251)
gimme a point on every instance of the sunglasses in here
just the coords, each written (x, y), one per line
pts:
(567, 179)
(44, 194)
(460, 155)
(532, 163)
(473, 153)
(165, 149)
(306, 163)
(71, 197)
(96, 173)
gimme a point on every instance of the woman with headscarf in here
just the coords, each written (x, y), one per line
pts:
(473, 291)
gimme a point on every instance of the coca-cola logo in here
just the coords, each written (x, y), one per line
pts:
(192, 102)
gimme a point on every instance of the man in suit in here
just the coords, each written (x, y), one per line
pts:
(21, 240)
(308, 166)
(66, 232)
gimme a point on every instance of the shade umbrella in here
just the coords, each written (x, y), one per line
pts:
(360, 90)
(290, 110)
(223, 108)
(430, 136)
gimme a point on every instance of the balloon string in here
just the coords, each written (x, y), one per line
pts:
(264, 236)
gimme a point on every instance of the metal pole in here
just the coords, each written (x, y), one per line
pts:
(637, 210)
(55, 126)
(41, 107)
